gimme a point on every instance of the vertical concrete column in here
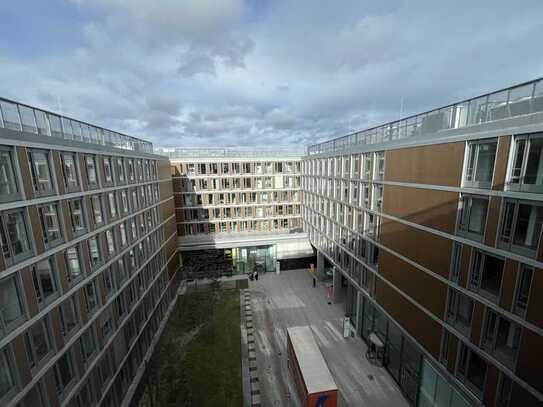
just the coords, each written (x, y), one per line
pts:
(320, 265)
(338, 291)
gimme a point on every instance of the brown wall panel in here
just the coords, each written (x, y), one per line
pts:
(61, 268)
(30, 294)
(57, 168)
(477, 322)
(492, 222)
(424, 329)
(491, 383)
(464, 266)
(438, 164)
(424, 248)
(165, 190)
(529, 366)
(66, 226)
(509, 280)
(83, 169)
(36, 229)
(24, 166)
(432, 208)
(56, 329)
(500, 165)
(423, 288)
(21, 360)
(535, 302)
(167, 209)
(164, 169)
(177, 184)
(170, 228)
(521, 397)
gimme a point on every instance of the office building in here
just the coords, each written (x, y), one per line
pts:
(88, 260)
(433, 226)
(244, 200)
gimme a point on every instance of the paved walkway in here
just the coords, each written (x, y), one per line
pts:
(288, 299)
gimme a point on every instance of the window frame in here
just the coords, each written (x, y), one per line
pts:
(6, 328)
(522, 268)
(83, 215)
(74, 157)
(7, 358)
(95, 184)
(51, 178)
(477, 288)
(29, 252)
(34, 363)
(37, 283)
(473, 183)
(463, 230)
(510, 245)
(491, 347)
(69, 277)
(49, 243)
(72, 302)
(14, 173)
(98, 197)
(521, 186)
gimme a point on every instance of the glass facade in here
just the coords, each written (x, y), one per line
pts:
(255, 258)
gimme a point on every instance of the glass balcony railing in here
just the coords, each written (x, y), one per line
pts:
(244, 153)
(20, 117)
(515, 101)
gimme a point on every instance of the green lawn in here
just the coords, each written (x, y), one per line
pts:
(197, 362)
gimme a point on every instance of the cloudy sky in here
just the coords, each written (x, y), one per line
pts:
(260, 72)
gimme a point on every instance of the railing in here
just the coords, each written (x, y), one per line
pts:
(20, 117)
(244, 153)
(510, 102)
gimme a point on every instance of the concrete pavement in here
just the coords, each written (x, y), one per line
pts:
(288, 299)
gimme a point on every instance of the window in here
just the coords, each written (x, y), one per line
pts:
(456, 258)
(486, 274)
(109, 283)
(91, 297)
(8, 183)
(472, 217)
(73, 265)
(104, 369)
(92, 174)
(94, 251)
(379, 165)
(471, 369)
(11, 306)
(120, 170)
(14, 236)
(526, 173)
(480, 163)
(444, 351)
(68, 315)
(50, 224)
(124, 200)
(459, 311)
(110, 242)
(131, 172)
(96, 203)
(40, 169)
(69, 170)
(45, 283)
(7, 379)
(77, 215)
(523, 290)
(501, 338)
(122, 229)
(37, 343)
(112, 200)
(108, 170)
(106, 323)
(521, 226)
(63, 374)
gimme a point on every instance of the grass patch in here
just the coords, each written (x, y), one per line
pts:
(198, 359)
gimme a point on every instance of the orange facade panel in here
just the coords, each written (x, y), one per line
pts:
(419, 325)
(438, 164)
(500, 163)
(432, 208)
(427, 249)
(426, 290)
